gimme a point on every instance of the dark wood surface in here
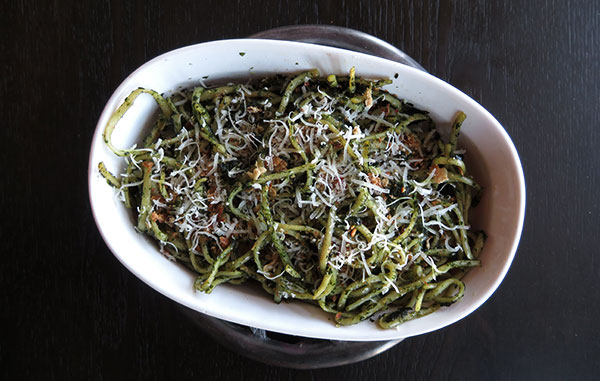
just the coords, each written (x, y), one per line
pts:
(70, 310)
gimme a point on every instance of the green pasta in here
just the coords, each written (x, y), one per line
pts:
(328, 190)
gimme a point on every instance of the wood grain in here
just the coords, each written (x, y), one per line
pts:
(71, 311)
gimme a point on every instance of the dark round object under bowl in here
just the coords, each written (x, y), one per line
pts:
(293, 351)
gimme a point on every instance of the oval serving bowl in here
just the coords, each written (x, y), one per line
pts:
(491, 158)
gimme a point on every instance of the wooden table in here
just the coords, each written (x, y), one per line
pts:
(70, 310)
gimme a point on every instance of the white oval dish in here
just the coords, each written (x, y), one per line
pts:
(491, 158)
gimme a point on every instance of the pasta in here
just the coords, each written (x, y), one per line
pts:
(329, 190)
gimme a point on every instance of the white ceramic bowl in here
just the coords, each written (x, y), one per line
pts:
(491, 158)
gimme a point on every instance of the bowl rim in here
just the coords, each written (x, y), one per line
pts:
(278, 44)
